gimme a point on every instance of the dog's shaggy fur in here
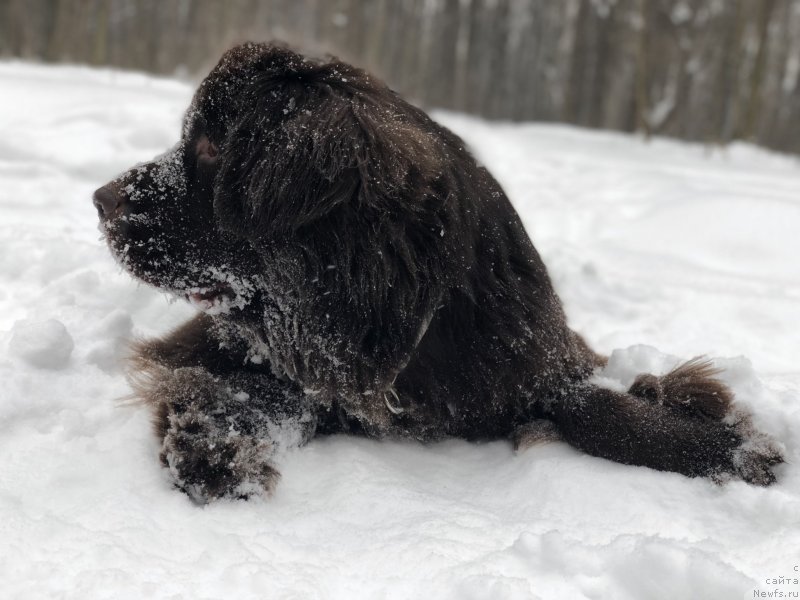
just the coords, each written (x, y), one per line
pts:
(359, 272)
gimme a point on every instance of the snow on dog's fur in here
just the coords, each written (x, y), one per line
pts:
(359, 272)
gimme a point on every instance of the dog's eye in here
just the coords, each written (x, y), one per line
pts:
(206, 149)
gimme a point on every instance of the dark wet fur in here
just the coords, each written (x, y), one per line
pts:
(691, 387)
(382, 285)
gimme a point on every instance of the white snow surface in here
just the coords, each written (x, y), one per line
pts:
(661, 251)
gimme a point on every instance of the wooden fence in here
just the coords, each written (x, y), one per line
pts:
(708, 70)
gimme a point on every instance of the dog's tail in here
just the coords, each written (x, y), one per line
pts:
(682, 421)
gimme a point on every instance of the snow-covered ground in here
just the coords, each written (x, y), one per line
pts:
(665, 244)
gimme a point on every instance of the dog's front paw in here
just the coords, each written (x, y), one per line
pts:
(208, 464)
(208, 460)
(208, 457)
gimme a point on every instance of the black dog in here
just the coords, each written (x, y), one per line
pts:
(359, 272)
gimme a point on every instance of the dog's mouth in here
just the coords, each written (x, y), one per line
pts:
(214, 299)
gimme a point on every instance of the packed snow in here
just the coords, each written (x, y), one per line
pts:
(661, 251)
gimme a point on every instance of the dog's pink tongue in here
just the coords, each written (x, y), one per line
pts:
(207, 295)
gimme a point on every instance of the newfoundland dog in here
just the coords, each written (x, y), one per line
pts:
(357, 271)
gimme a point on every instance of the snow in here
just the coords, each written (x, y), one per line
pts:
(45, 344)
(660, 251)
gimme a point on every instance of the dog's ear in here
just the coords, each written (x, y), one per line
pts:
(309, 139)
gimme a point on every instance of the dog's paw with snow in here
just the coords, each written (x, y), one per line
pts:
(207, 452)
(755, 455)
(737, 449)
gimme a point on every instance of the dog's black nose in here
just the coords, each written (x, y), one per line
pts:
(107, 201)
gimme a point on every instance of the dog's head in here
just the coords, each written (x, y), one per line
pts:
(272, 145)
